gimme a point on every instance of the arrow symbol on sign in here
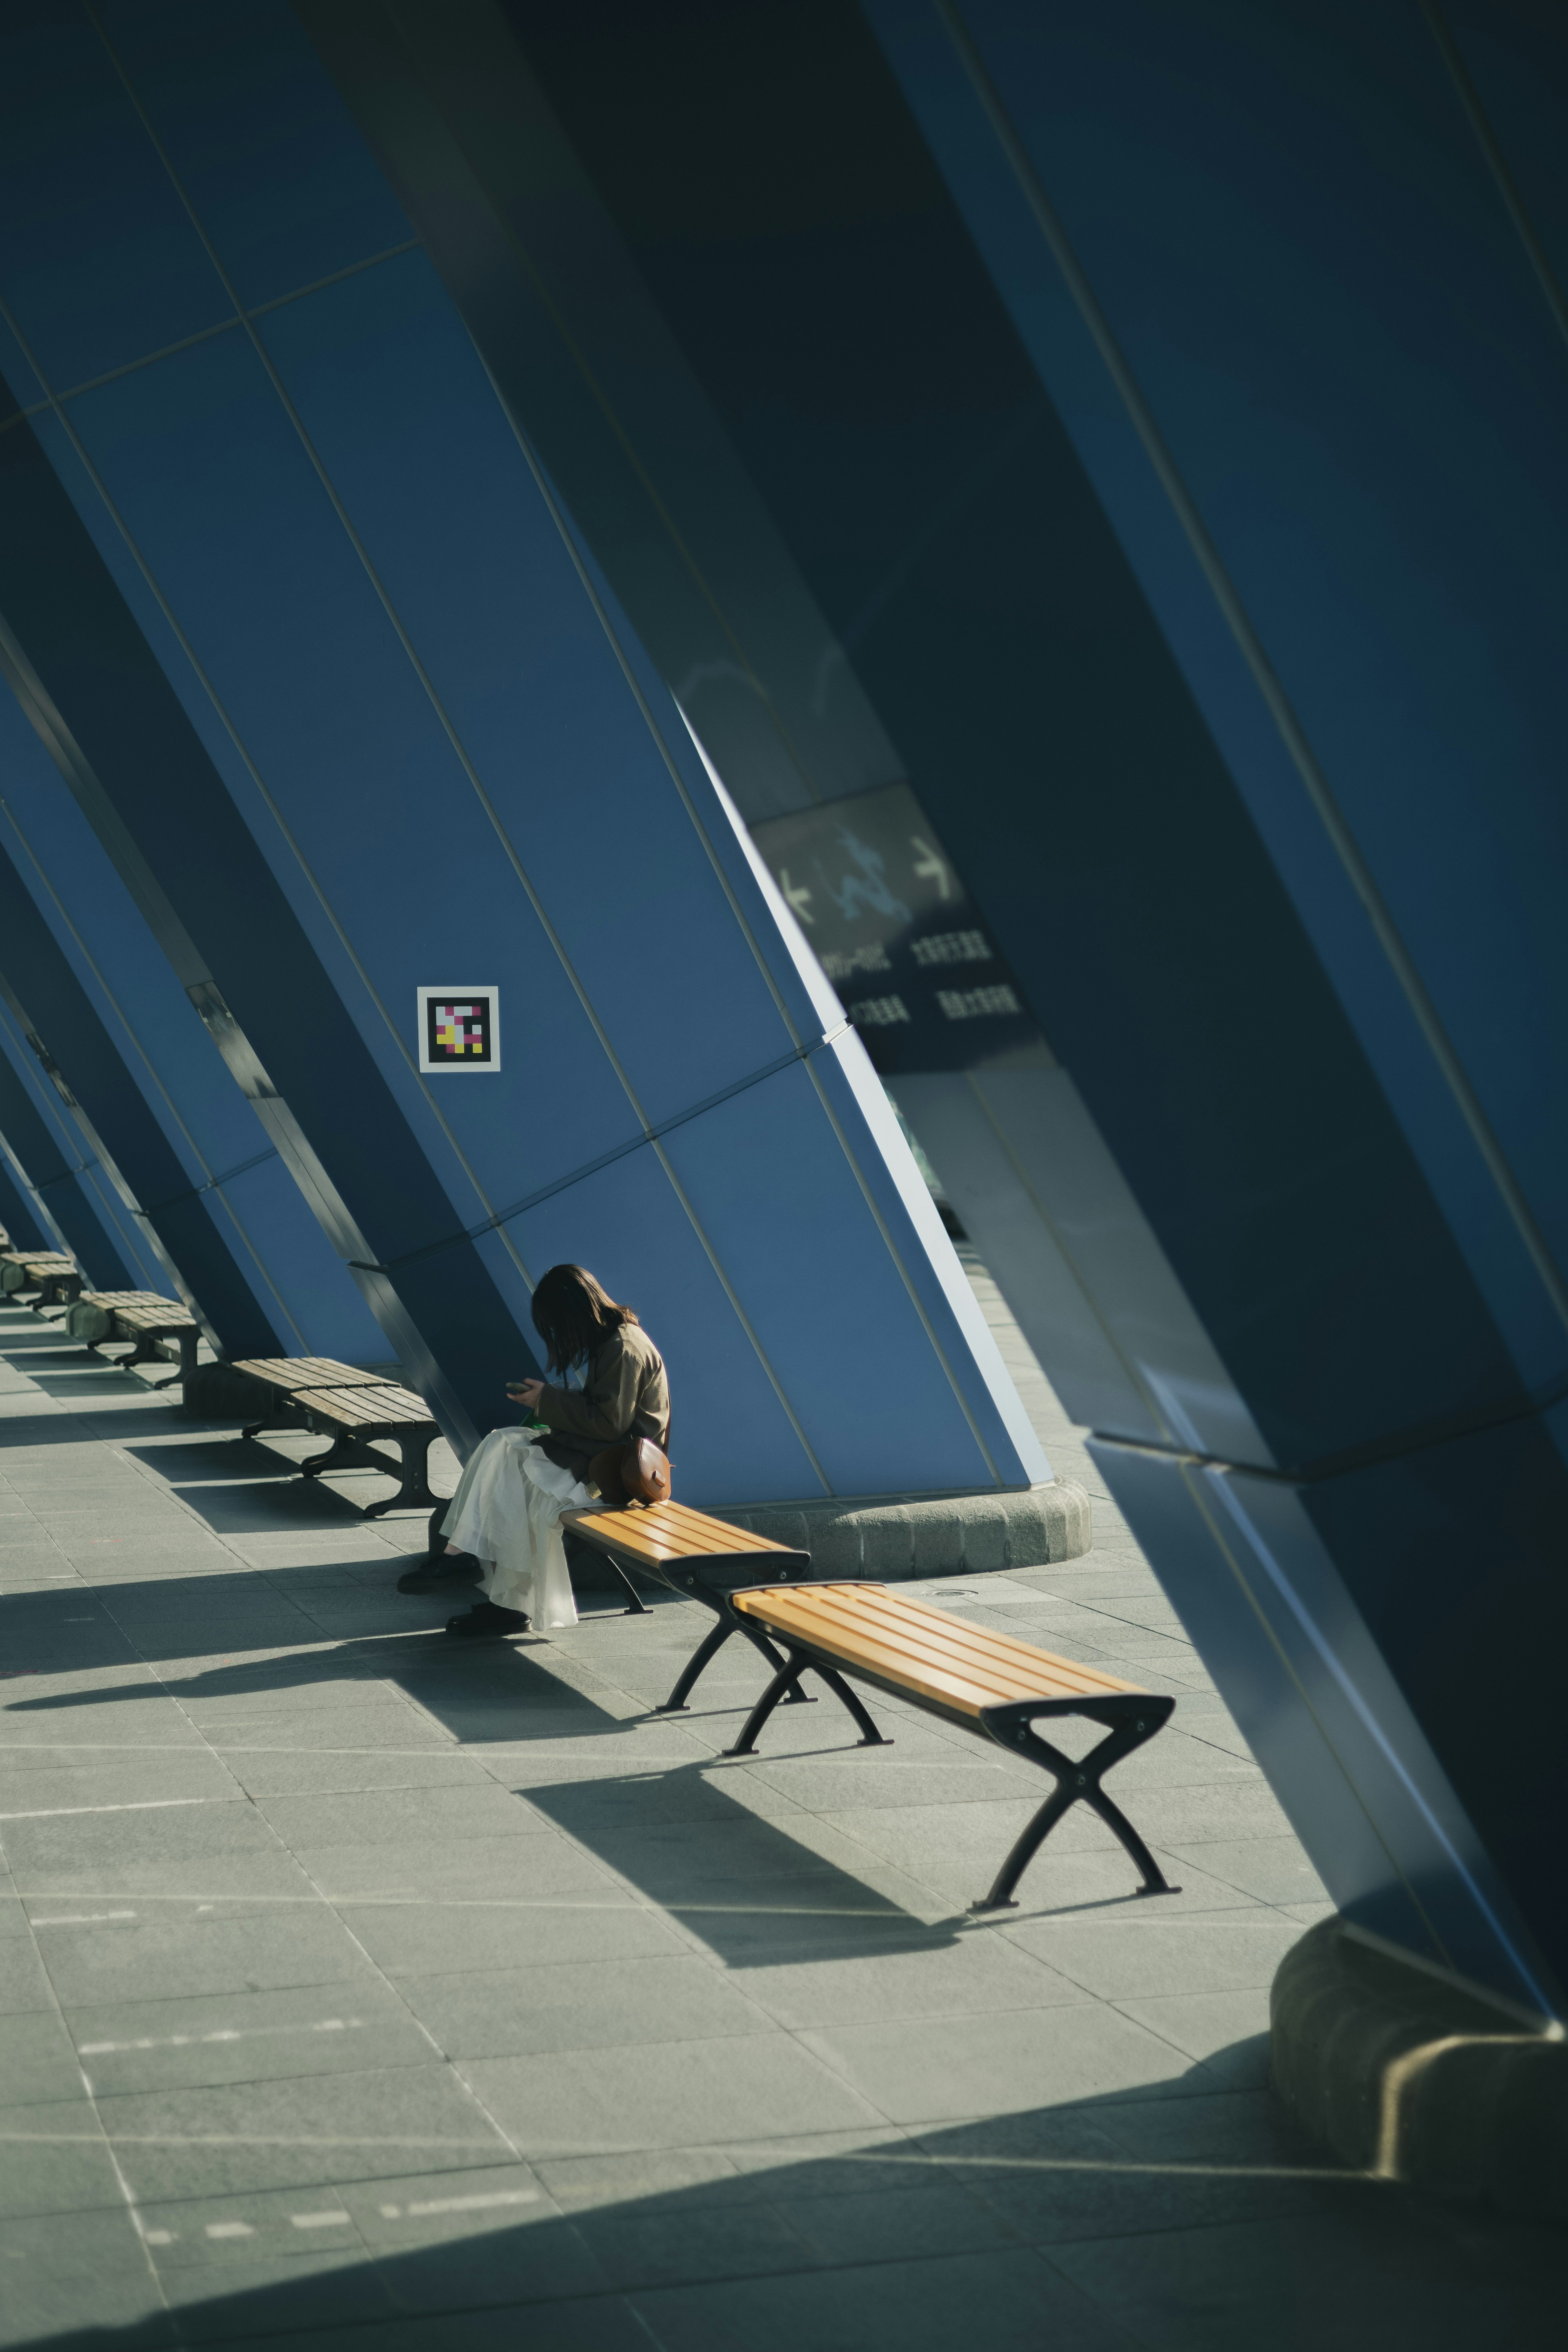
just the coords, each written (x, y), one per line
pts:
(797, 896)
(929, 866)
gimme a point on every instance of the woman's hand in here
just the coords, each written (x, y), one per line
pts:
(527, 1393)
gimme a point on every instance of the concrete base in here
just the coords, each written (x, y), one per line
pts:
(1408, 2075)
(933, 1534)
(217, 1392)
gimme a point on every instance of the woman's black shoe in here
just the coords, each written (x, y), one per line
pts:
(488, 1618)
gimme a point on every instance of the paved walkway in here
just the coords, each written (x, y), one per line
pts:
(359, 1987)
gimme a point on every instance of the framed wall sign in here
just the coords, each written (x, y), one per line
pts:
(459, 1028)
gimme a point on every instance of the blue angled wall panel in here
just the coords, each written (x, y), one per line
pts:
(18, 1213)
(230, 1169)
(71, 1201)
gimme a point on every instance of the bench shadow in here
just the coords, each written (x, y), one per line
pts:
(752, 1892)
(241, 1486)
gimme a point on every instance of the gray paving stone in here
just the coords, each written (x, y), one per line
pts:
(1228, 2031)
(297, 2132)
(888, 2307)
(666, 2095)
(336, 1771)
(1271, 1869)
(292, 2292)
(156, 1957)
(79, 2269)
(465, 1871)
(398, 1816)
(24, 1986)
(84, 1780)
(973, 1972)
(419, 1939)
(54, 2159)
(920, 2071)
(1362, 2280)
(38, 2060)
(243, 2037)
(1121, 1956)
(592, 2004)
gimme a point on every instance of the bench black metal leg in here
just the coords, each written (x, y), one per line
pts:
(703, 1656)
(780, 1687)
(708, 1648)
(413, 1486)
(788, 1674)
(1060, 1800)
(870, 1735)
(1154, 1879)
(635, 1605)
(1076, 1783)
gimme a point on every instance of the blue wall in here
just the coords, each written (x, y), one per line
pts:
(73, 1204)
(371, 719)
(228, 1170)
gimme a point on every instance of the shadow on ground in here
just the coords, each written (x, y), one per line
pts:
(676, 1833)
(1080, 2226)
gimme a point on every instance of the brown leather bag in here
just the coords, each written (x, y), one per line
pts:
(637, 1471)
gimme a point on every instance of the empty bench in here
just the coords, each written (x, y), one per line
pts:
(151, 1320)
(351, 1408)
(91, 1317)
(987, 1682)
(52, 1275)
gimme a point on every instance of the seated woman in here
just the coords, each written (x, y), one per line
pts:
(507, 1509)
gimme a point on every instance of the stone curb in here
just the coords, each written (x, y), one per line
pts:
(940, 1536)
(1406, 2076)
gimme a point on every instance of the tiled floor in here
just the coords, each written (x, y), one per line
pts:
(363, 1987)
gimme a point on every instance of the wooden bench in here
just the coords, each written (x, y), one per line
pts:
(287, 1375)
(106, 1302)
(163, 1319)
(352, 1408)
(54, 1277)
(353, 1416)
(988, 1683)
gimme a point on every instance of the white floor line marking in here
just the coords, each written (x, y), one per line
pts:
(318, 2220)
(143, 1805)
(158, 2237)
(220, 2033)
(460, 2204)
(82, 1918)
(230, 2229)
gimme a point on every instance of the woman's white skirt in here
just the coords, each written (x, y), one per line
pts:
(507, 1512)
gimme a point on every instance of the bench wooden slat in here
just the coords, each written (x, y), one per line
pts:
(667, 1531)
(919, 1631)
(118, 1298)
(364, 1407)
(295, 1372)
(922, 1626)
(928, 1651)
(163, 1316)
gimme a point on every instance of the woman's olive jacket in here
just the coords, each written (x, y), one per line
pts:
(624, 1394)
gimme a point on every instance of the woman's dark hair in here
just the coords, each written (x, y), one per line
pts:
(573, 1314)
